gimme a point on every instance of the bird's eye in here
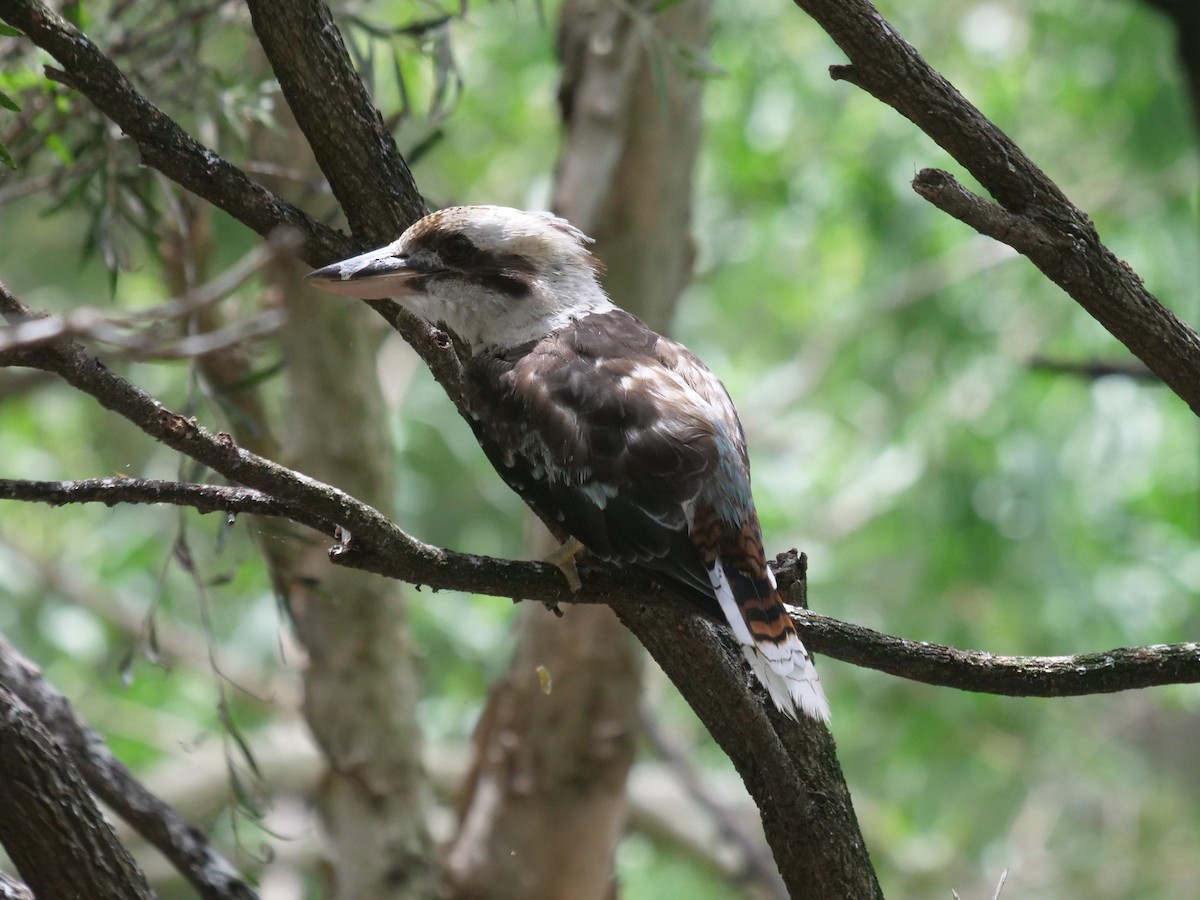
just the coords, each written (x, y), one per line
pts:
(458, 249)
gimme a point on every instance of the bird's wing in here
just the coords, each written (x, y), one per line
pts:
(602, 432)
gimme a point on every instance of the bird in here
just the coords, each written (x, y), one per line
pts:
(621, 435)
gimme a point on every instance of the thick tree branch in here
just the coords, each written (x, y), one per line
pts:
(187, 848)
(47, 818)
(1038, 220)
(355, 151)
(769, 750)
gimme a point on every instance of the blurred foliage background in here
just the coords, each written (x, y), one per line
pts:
(883, 357)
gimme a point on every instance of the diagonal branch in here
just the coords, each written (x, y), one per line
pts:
(47, 817)
(355, 151)
(1034, 216)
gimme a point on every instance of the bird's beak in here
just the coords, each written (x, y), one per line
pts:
(371, 276)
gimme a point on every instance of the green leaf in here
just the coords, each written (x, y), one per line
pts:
(60, 149)
(8, 102)
(9, 31)
(6, 157)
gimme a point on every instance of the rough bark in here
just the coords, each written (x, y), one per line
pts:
(48, 818)
(185, 846)
(545, 805)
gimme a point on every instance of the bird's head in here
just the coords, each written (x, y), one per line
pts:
(496, 277)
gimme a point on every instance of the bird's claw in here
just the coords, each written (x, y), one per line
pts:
(563, 559)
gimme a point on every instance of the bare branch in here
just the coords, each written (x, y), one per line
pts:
(1106, 672)
(88, 324)
(204, 498)
(1034, 216)
(945, 192)
(187, 848)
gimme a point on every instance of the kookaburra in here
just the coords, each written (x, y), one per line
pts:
(617, 432)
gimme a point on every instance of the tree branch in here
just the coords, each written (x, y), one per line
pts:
(187, 848)
(1034, 216)
(47, 818)
(204, 498)
(83, 371)
(1119, 669)
(1106, 672)
(356, 153)
(1092, 369)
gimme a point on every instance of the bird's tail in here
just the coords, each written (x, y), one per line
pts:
(761, 624)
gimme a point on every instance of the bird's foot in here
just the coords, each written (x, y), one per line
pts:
(563, 559)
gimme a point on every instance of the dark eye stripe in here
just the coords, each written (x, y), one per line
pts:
(513, 284)
(504, 273)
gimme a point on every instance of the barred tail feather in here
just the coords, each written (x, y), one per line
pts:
(776, 655)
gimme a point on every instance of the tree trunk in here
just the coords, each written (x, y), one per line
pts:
(360, 683)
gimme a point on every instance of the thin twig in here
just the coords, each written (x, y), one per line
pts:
(1093, 369)
(89, 325)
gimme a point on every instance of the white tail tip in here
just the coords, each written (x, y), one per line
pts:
(791, 680)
